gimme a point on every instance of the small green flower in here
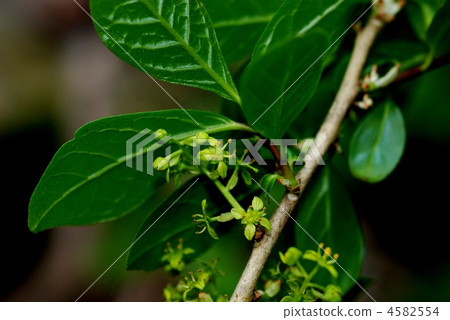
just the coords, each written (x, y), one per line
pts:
(291, 257)
(204, 222)
(253, 217)
(192, 282)
(324, 260)
(174, 257)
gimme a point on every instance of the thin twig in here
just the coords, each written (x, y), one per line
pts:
(418, 71)
(324, 138)
(285, 169)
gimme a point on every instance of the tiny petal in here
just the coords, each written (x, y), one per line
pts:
(249, 232)
(257, 204)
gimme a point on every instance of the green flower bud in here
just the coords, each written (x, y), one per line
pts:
(204, 297)
(272, 287)
(174, 160)
(161, 164)
(213, 142)
(207, 155)
(200, 138)
(222, 169)
(291, 256)
(160, 133)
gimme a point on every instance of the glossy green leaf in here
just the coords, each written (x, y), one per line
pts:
(378, 143)
(173, 40)
(176, 223)
(327, 214)
(239, 24)
(88, 180)
(438, 35)
(408, 53)
(421, 14)
(287, 63)
(267, 103)
(430, 89)
(297, 18)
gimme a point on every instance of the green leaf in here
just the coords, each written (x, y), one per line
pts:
(408, 53)
(378, 144)
(88, 180)
(298, 18)
(212, 232)
(173, 40)
(269, 105)
(246, 176)
(421, 14)
(287, 63)
(176, 223)
(249, 231)
(438, 34)
(327, 214)
(239, 24)
(234, 179)
(417, 96)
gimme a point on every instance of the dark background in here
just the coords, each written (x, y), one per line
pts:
(56, 75)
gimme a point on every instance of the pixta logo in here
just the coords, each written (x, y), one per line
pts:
(205, 149)
(141, 147)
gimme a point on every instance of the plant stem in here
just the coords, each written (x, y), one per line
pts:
(418, 71)
(285, 169)
(306, 283)
(226, 193)
(325, 137)
(224, 190)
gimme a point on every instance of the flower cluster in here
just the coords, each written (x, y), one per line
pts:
(193, 286)
(252, 218)
(294, 283)
(174, 257)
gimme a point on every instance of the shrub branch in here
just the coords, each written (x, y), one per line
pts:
(325, 137)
